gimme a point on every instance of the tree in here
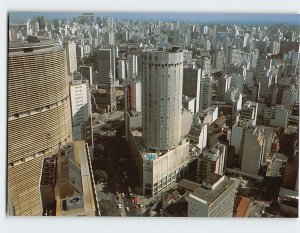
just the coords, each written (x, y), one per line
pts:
(98, 149)
(100, 175)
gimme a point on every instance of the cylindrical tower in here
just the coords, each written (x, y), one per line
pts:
(39, 117)
(161, 97)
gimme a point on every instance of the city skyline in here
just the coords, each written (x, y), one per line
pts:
(190, 17)
(152, 116)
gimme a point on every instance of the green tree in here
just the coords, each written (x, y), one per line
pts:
(100, 175)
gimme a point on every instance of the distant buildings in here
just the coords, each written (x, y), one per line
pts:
(223, 98)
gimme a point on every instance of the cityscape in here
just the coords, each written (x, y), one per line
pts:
(153, 115)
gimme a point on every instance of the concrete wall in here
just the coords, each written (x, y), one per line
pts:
(251, 156)
(236, 137)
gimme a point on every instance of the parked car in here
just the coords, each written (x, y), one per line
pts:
(119, 206)
(127, 209)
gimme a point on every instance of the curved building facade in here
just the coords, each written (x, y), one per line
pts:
(162, 98)
(39, 117)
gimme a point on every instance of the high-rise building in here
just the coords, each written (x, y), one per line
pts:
(39, 117)
(205, 92)
(162, 97)
(135, 96)
(70, 47)
(79, 96)
(132, 67)
(121, 69)
(105, 65)
(87, 73)
(191, 85)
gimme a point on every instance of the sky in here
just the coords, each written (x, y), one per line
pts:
(200, 17)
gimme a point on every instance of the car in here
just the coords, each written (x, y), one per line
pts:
(135, 206)
(127, 209)
(135, 200)
(123, 194)
(119, 206)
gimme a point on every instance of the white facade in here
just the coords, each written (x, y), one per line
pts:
(256, 148)
(188, 103)
(198, 134)
(249, 112)
(160, 171)
(162, 98)
(132, 67)
(265, 78)
(121, 70)
(135, 96)
(275, 116)
(217, 202)
(71, 56)
(236, 138)
(79, 107)
(208, 115)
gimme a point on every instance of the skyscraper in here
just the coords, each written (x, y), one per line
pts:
(162, 97)
(79, 94)
(205, 92)
(191, 84)
(106, 65)
(39, 117)
(71, 56)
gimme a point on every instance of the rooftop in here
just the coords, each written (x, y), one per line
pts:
(188, 185)
(211, 195)
(241, 206)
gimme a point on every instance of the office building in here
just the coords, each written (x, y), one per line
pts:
(276, 116)
(132, 67)
(205, 92)
(215, 198)
(134, 93)
(249, 112)
(87, 73)
(80, 107)
(38, 101)
(191, 85)
(265, 78)
(256, 148)
(105, 65)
